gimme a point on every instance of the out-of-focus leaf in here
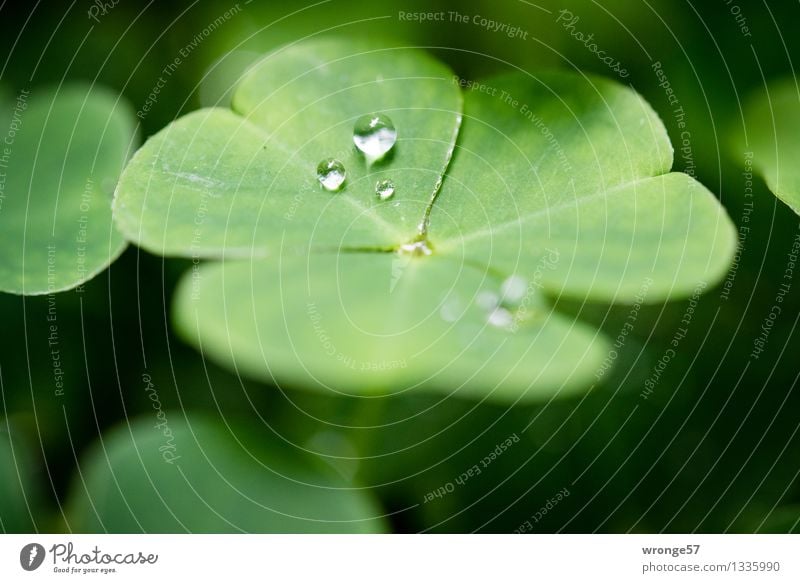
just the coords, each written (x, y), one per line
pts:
(61, 154)
(772, 135)
(20, 494)
(373, 323)
(167, 474)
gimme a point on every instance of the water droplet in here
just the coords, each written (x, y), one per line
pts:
(331, 174)
(374, 135)
(487, 300)
(513, 289)
(384, 189)
(501, 318)
(451, 310)
(415, 248)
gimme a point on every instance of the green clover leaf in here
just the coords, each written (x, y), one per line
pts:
(196, 475)
(559, 186)
(772, 123)
(61, 154)
(219, 183)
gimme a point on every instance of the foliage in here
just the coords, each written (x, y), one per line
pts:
(558, 185)
(63, 151)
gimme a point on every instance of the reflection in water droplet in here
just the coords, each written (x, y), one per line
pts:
(374, 135)
(331, 174)
(501, 318)
(384, 189)
(513, 289)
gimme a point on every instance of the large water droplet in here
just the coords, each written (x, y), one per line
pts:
(384, 189)
(374, 135)
(331, 174)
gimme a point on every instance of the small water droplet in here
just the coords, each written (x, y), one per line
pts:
(374, 135)
(513, 289)
(487, 300)
(415, 248)
(501, 318)
(331, 174)
(384, 189)
(451, 310)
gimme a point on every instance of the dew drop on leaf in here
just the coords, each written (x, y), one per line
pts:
(374, 135)
(415, 249)
(513, 289)
(451, 310)
(384, 189)
(494, 306)
(501, 318)
(487, 300)
(331, 174)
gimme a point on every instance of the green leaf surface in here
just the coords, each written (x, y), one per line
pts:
(772, 124)
(558, 181)
(175, 475)
(376, 323)
(62, 154)
(561, 162)
(242, 182)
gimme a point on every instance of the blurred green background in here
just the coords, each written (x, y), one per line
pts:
(714, 448)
